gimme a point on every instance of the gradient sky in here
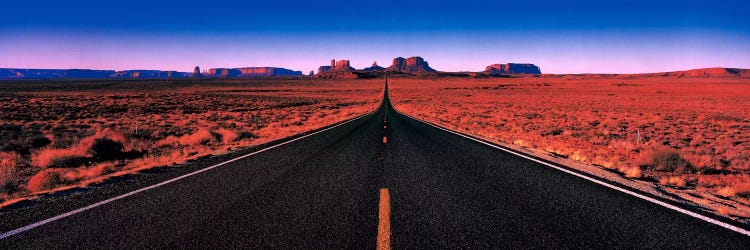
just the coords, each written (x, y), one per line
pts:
(559, 36)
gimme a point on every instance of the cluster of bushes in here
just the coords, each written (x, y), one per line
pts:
(65, 135)
(91, 157)
(640, 128)
(665, 159)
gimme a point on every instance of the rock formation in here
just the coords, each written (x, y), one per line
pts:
(252, 72)
(151, 74)
(374, 67)
(342, 65)
(323, 69)
(410, 65)
(336, 66)
(53, 73)
(513, 68)
(197, 72)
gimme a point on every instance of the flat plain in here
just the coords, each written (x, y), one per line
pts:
(688, 137)
(61, 134)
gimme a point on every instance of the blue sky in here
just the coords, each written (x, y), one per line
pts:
(560, 37)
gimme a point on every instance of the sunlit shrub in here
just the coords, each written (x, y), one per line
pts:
(727, 192)
(58, 158)
(9, 178)
(202, 136)
(676, 181)
(631, 172)
(47, 179)
(665, 160)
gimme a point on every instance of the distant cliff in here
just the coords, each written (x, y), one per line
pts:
(693, 73)
(149, 74)
(374, 67)
(251, 72)
(6, 73)
(340, 65)
(410, 65)
(707, 72)
(86, 74)
(513, 68)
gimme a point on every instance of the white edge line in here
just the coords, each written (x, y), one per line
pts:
(652, 200)
(61, 216)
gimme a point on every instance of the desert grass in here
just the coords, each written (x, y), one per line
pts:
(688, 133)
(56, 135)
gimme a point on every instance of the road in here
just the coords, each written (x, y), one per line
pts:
(345, 188)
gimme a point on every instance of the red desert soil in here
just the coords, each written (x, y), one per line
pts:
(685, 136)
(62, 134)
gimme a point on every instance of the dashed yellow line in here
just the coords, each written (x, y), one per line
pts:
(384, 220)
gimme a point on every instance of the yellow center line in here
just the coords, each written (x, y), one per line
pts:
(384, 220)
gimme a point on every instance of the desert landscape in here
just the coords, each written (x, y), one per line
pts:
(685, 133)
(60, 134)
(385, 125)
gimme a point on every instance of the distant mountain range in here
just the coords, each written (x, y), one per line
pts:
(11, 73)
(706, 72)
(342, 69)
(716, 72)
(251, 72)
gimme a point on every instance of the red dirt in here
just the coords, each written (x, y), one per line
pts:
(691, 133)
(48, 129)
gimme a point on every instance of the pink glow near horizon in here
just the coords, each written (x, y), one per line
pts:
(457, 52)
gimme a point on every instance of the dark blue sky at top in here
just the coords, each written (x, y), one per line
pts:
(291, 23)
(372, 16)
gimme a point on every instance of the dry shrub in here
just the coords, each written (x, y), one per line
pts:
(227, 135)
(107, 134)
(52, 157)
(104, 145)
(730, 185)
(55, 177)
(86, 173)
(709, 181)
(246, 135)
(665, 160)
(605, 162)
(9, 178)
(105, 149)
(157, 160)
(202, 136)
(169, 141)
(676, 181)
(727, 192)
(578, 156)
(9, 160)
(723, 210)
(631, 172)
(47, 179)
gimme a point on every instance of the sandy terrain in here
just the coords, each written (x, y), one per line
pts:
(686, 139)
(63, 134)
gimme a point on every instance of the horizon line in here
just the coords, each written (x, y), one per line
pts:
(303, 71)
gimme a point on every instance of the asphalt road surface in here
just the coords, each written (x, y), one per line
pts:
(345, 188)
